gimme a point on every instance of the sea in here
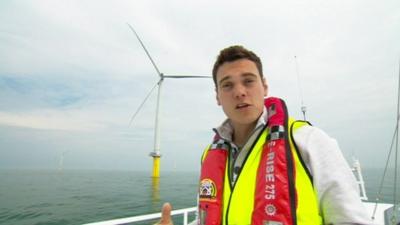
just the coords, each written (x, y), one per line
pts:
(47, 197)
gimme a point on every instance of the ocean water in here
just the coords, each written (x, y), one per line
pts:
(76, 197)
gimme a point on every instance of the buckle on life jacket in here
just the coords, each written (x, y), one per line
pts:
(276, 132)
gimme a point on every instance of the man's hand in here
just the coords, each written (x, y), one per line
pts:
(166, 215)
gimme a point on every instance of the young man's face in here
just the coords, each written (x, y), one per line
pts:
(240, 91)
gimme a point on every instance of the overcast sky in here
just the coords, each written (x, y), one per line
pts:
(72, 74)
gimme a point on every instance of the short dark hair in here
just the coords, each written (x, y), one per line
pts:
(234, 53)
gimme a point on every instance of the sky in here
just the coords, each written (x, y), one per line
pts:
(72, 74)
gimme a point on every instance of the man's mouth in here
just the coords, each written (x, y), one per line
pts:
(242, 105)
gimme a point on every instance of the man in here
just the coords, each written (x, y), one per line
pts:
(265, 168)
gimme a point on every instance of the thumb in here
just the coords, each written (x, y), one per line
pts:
(166, 214)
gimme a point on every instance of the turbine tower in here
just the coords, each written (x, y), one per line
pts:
(61, 162)
(303, 106)
(156, 154)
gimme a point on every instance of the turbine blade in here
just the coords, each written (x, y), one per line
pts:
(145, 99)
(185, 76)
(147, 53)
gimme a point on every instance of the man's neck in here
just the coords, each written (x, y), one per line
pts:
(241, 133)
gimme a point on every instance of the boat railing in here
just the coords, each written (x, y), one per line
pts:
(134, 219)
(356, 168)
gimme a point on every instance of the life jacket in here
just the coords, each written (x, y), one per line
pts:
(273, 187)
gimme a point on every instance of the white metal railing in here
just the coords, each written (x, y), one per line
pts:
(146, 217)
(360, 180)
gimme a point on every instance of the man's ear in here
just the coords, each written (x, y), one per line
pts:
(265, 87)
(216, 96)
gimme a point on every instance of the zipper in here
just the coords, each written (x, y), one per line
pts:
(232, 187)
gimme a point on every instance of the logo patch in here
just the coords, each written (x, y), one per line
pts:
(207, 189)
(270, 209)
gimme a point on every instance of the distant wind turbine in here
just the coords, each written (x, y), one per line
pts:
(61, 162)
(156, 154)
(303, 106)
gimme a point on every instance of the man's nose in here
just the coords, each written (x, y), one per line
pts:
(240, 91)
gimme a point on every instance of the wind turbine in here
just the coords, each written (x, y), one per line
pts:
(61, 162)
(156, 154)
(303, 106)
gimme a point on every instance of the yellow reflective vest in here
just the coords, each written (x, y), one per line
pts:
(238, 201)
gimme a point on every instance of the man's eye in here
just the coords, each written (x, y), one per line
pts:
(249, 81)
(226, 85)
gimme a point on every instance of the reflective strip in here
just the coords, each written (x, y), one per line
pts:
(276, 132)
(220, 144)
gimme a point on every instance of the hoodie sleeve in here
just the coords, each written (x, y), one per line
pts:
(337, 189)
